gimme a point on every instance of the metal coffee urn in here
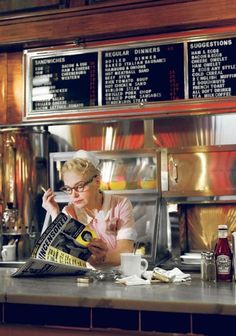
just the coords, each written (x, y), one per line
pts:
(23, 170)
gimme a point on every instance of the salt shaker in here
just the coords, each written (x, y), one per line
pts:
(208, 266)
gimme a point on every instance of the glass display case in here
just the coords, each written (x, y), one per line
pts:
(129, 171)
(134, 174)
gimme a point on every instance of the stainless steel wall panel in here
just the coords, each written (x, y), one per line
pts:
(199, 224)
(200, 130)
(24, 169)
(207, 171)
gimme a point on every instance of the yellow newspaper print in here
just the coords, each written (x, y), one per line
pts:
(53, 254)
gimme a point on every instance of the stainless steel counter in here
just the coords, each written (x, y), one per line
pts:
(194, 296)
(189, 301)
(14, 264)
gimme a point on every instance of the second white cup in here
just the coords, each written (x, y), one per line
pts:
(8, 252)
(133, 264)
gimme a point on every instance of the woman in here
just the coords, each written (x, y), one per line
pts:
(109, 215)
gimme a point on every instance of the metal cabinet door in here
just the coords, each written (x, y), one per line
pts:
(206, 173)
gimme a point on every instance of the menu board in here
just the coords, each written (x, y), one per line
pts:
(64, 82)
(212, 68)
(143, 74)
(73, 79)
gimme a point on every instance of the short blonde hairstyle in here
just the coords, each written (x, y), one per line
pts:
(82, 166)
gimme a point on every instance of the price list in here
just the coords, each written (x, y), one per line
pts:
(65, 82)
(143, 74)
(212, 68)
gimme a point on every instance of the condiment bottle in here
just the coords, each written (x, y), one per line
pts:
(223, 256)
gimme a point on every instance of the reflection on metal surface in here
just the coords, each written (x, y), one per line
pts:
(202, 130)
(9, 167)
(207, 171)
(202, 178)
(199, 224)
(126, 134)
(24, 169)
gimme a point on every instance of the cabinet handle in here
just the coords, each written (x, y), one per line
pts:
(176, 176)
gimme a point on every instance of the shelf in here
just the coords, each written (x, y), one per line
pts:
(146, 194)
(131, 192)
(12, 264)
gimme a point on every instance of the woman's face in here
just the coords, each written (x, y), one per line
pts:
(84, 195)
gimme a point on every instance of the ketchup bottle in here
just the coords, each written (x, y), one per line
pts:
(223, 256)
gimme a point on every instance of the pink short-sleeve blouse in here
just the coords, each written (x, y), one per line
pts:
(113, 222)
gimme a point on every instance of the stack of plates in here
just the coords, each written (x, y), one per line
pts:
(191, 258)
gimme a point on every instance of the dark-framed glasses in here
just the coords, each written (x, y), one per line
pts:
(79, 187)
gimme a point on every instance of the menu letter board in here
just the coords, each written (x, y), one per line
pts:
(212, 68)
(64, 82)
(143, 74)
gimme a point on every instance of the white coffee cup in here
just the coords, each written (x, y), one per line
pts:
(133, 264)
(8, 252)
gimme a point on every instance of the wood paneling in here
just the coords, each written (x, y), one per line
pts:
(76, 3)
(3, 87)
(15, 87)
(99, 22)
(12, 6)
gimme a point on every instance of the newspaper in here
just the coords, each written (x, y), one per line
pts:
(61, 249)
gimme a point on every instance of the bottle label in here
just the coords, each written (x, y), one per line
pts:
(223, 263)
(222, 234)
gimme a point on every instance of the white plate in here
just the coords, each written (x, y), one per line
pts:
(191, 258)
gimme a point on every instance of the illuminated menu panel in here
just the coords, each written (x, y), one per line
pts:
(143, 74)
(212, 68)
(65, 82)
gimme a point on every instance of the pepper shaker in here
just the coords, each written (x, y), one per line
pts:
(208, 266)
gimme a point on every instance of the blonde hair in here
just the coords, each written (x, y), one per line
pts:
(82, 166)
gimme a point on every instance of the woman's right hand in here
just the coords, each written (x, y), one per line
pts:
(99, 251)
(49, 203)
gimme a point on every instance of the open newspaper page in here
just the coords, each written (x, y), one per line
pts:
(62, 249)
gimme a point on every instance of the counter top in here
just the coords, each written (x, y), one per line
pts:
(205, 308)
(194, 296)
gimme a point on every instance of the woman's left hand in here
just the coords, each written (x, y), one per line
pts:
(99, 249)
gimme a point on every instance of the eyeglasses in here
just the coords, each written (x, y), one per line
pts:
(79, 187)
